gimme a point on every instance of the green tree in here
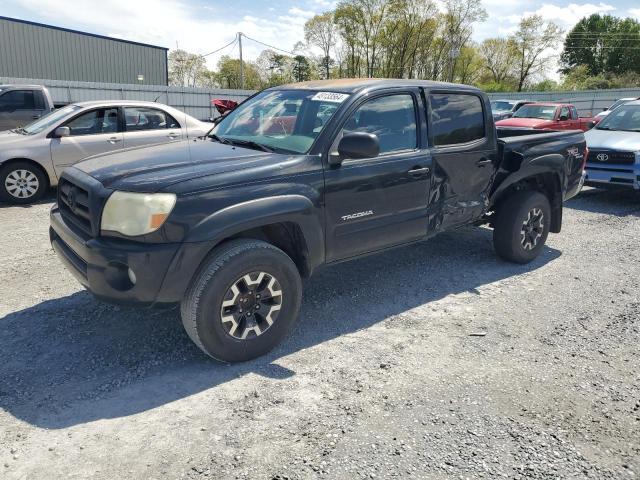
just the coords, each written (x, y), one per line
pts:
(535, 41)
(499, 58)
(301, 68)
(228, 74)
(603, 44)
(185, 69)
(320, 31)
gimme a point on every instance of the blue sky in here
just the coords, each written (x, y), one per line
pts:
(201, 26)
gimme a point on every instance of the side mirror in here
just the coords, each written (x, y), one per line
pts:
(356, 145)
(563, 118)
(62, 132)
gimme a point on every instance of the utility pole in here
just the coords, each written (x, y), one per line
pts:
(241, 63)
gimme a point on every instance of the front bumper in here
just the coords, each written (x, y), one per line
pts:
(613, 175)
(102, 265)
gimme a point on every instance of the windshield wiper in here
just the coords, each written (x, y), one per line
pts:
(249, 144)
(19, 130)
(218, 139)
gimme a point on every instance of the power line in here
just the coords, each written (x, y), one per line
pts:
(267, 45)
(221, 48)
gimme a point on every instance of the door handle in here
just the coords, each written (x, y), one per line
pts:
(419, 171)
(484, 161)
(173, 135)
(35, 117)
(113, 140)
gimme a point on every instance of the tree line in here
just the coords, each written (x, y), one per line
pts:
(424, 40)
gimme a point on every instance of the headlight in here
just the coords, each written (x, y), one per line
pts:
(135, 214)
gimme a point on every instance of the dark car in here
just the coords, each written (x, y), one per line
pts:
(297, 177)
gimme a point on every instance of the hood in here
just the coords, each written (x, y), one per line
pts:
(7, 137)
(149, 169)
(524, 122)
(612, 140)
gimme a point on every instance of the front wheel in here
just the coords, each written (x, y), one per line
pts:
(22, 183)
(243, 300)
(522, 226)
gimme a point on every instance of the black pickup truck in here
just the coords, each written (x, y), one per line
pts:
(297, 177)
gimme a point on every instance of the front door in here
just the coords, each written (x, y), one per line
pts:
(149, 126)
(378, 202)
(91, 133)
(464, 153)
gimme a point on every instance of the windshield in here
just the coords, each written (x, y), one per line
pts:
(625, 117)
(286, 121)
(501, 106)
(48, 120)
(543, 112)
(618, 103)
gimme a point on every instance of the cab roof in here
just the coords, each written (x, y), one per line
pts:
(353, 85)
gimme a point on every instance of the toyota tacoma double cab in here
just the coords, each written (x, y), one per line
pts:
(297, 177)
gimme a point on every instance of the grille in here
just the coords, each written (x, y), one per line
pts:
(621, 158)
(75, 206)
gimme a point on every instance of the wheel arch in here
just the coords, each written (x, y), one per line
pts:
(38, 165)
(289, 222)
(547, 182)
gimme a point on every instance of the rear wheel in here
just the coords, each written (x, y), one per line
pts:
(22, 182)
(522, 226)
(243, 301)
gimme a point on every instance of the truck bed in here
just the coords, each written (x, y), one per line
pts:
(518, 147)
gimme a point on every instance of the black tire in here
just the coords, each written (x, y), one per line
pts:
(512, 239)
(9, 190)
(202, 307)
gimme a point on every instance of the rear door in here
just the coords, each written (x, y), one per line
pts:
(92, 132)
(464, 155)
(378, 202)
(149, 126)
(17, 109)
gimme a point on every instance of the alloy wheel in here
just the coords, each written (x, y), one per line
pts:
(532, 229)
(251, 305)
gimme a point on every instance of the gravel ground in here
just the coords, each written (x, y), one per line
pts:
(431, 361)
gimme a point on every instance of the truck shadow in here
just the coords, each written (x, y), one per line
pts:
(618, 202)
(74, 360)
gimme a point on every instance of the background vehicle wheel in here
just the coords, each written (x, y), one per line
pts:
(242, 301)
(22, 182)
(522, 226)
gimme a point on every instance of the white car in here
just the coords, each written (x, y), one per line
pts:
(614, 105)
(33, 157)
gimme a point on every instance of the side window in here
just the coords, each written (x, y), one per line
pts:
(574, 113)
(103, 120)
(17, 100)
(392, 119)
(564, 113)
(141, 119)
(456, 118)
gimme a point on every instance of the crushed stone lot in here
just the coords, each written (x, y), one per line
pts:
(435, 360)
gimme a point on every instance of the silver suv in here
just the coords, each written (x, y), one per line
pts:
(33, 157)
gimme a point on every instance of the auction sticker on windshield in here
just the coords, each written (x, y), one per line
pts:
(330, 97)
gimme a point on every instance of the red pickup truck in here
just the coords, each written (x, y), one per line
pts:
(548, 116)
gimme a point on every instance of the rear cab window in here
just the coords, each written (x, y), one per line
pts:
(456, 118)
(17, 100)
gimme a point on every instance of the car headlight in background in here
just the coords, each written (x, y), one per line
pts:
(134, 214)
